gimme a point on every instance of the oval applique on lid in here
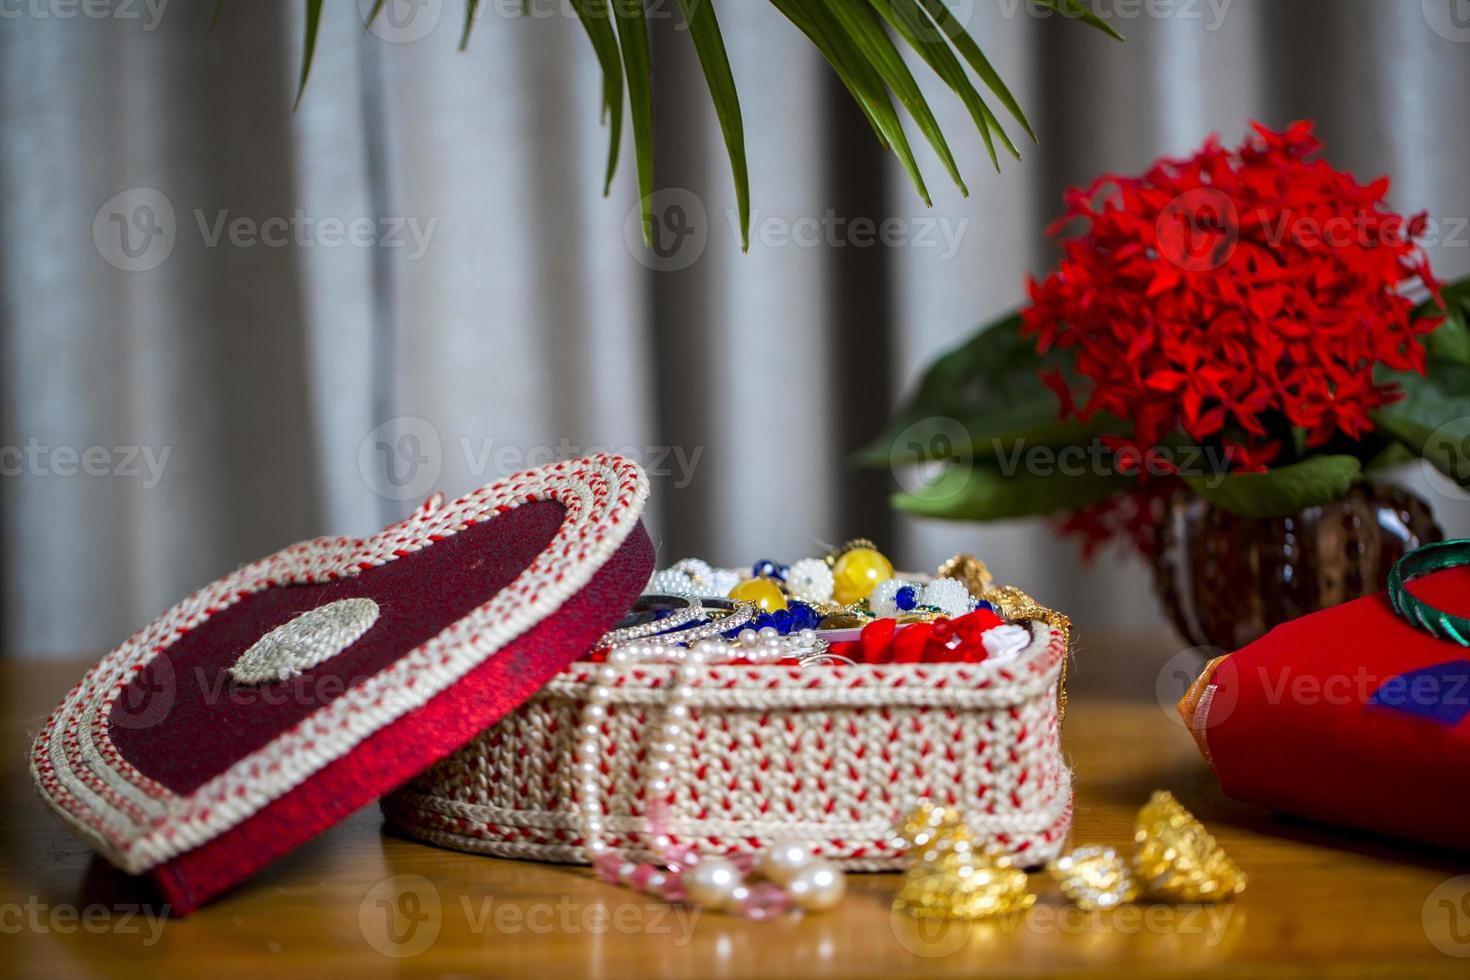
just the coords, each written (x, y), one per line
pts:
(275, 702)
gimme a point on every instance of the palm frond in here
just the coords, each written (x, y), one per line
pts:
(594, 16)
(313, 21)
(940, 15)
(373, 14)
(1077, 10)
(815, 19)
(874, 44)
(470, 8)
(704, 31)
(850, 35)
(916, 29)
(638, 69)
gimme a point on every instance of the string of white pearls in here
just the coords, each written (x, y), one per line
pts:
(810, 883)
(793, 875)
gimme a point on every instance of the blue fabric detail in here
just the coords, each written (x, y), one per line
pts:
(1440, 692)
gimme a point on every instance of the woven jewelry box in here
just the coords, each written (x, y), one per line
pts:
(826, 754)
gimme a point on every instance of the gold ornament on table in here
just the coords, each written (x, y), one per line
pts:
(949, 877)
(1174, 860)
(1094, 877)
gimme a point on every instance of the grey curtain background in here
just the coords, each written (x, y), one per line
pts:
(413, 281)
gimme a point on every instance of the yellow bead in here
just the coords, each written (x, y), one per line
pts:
(857, 572)
(764, 594)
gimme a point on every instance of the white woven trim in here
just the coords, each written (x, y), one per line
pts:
(829, 756)
(301, 643)
(137, 824)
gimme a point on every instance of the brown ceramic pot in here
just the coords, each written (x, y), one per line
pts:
(1225, 580)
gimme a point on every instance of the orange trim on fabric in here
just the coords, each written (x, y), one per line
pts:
(1194, 706)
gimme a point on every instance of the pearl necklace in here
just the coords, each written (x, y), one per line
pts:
(793, 876)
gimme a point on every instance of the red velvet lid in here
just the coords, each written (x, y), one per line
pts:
(275, 702)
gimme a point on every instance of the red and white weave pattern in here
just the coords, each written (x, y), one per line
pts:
(138, 824)
(826, 755)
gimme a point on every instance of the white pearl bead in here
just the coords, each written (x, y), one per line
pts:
(711, 882)
(817, 886)
(781, 861)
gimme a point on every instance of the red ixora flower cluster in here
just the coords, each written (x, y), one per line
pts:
(1229, 290)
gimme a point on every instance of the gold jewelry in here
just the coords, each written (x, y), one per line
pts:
(949, 878)
(1094, 877)
(1174, 860)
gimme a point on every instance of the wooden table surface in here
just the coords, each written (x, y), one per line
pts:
(1319, 902)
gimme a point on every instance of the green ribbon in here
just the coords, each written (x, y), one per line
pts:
(1421, 561)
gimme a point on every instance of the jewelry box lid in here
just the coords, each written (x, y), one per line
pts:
(276, 702)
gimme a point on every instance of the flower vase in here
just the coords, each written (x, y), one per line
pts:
(1226, 580)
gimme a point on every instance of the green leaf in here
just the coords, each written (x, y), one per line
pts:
(373, 14)
(991, 387)
(1451, 339)
(633, 40)
(983, 493)
(1283, 490)
(219, 9)
(971, 52)
(1433, 418)
(469, 21)
(596, 21)
(875, 45)
(815, 20)
(313, 20)
(704, 31)
(1076, 10)
(914, 27)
